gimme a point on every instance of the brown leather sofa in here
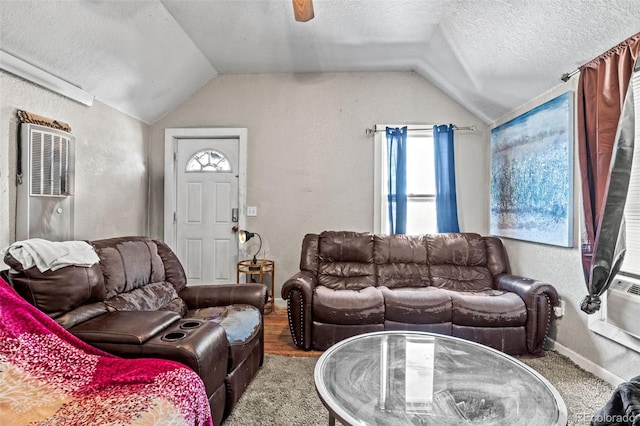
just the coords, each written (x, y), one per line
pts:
(135, 303)
(456, 284)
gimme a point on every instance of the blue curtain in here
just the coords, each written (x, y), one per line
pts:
(446, 203)
(397, 155)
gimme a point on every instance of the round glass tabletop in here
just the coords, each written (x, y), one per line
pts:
(416, 378)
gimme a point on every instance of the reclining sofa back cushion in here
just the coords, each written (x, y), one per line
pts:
(60, 291)
(134, 276)
(402, 261)
(457, 261)
(345, 260)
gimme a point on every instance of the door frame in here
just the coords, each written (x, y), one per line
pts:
(172, 137)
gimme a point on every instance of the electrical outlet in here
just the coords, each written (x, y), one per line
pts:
(252, 211)
(559, 310)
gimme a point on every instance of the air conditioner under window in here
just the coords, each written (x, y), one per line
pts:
(623, 305)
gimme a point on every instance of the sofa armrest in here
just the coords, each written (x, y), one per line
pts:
(203, 296)
(298, 292)
(528, 289)
(125, 327)
(539, 298)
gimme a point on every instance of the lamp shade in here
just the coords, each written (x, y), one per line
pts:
(244, 236)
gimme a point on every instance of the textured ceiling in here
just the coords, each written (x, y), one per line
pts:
(144, 57)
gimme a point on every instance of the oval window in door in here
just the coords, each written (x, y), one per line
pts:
(208, 160)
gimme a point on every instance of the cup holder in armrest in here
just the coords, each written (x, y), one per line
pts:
(173, 336)
(190, 324)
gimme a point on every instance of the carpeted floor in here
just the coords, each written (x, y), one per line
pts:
(284, 393)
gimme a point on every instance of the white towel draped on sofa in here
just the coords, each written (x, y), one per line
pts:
(52, 255)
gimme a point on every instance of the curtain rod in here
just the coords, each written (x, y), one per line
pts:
(370, 131)
(567, 75)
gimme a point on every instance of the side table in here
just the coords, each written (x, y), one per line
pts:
(260, 268)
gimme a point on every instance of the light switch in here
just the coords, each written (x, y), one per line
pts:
(252, 211)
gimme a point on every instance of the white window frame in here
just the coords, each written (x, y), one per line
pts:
(380, 175)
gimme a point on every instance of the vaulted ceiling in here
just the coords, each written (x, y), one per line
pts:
(145, 57)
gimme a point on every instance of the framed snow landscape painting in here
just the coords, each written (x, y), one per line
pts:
(532, 175)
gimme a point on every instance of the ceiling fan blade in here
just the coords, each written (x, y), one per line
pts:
(303, 10)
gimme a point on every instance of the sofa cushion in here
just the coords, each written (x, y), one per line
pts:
(309, 254)
(242, 324)
(491, 308)
(461, 278)
(365, 306)
(151, 297)
(497, 259)
(345, 246)
(459, 262)
(128, 263)
(462, 249)
(346, 275)
(345, 260)
(426, 305)
(173, 270)
(401, 261)
(57, 292)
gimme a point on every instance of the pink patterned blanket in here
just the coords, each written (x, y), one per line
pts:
(49, 377)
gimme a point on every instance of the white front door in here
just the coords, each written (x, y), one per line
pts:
(207, 207)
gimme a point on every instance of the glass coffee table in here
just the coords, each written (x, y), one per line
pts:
(415, 378)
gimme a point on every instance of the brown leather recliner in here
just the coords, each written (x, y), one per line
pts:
(457, 284)
(135, 303)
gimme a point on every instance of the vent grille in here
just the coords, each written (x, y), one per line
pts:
(624, 286)
(49, 164)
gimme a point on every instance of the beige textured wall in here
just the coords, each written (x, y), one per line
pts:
(562, 267)
(111, 180)
(310, 164)
(310, 169)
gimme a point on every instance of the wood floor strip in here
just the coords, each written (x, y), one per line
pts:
(277, 337)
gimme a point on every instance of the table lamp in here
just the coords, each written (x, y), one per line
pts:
(245, 236)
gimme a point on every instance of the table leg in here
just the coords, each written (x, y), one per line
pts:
(332, 420)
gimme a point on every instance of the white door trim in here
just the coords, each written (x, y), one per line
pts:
(172, 137)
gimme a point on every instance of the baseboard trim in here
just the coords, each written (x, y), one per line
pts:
(586, 364)
(280, 302)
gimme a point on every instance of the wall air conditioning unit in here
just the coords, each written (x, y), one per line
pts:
(623, 305)
(45, 187)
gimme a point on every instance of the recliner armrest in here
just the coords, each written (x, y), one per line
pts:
(298, 291)
(528, 289)
(133, 327)
(203, 296)
(302, 281)
(539, 298)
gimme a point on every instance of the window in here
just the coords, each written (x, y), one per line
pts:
(617, 317)
(421, 181)
(631, 264)
(208, 160)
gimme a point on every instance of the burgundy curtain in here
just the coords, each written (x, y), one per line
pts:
(601, 92)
